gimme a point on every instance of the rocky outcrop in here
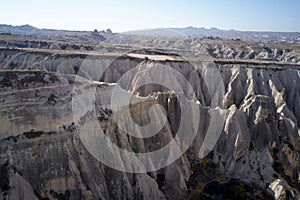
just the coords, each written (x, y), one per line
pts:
(246, 141)
(257, 52)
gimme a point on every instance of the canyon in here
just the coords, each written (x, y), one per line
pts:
(231, 109)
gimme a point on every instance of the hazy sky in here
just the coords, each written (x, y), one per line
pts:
(276, 15)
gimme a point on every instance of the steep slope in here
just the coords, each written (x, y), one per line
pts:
(56, 106)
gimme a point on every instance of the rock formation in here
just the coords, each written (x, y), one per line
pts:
(246, 142)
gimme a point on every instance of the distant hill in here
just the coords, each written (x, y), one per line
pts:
(28, 29)
(32, 32)
(192, 32)
(4, 28)
(215, 33)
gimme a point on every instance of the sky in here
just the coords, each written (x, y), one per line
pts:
(124, 15)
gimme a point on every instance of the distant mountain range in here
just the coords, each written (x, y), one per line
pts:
(32, 32)
(193, 32)
(28, 29)
(214, 33)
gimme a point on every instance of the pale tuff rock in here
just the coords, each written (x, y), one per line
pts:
(280, 187)
(247, 137)
(14, 185)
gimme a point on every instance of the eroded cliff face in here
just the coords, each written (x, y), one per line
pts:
(253, 150)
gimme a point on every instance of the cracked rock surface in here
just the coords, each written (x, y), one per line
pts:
(255, 153)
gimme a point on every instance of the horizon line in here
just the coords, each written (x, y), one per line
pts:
(152, 28)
